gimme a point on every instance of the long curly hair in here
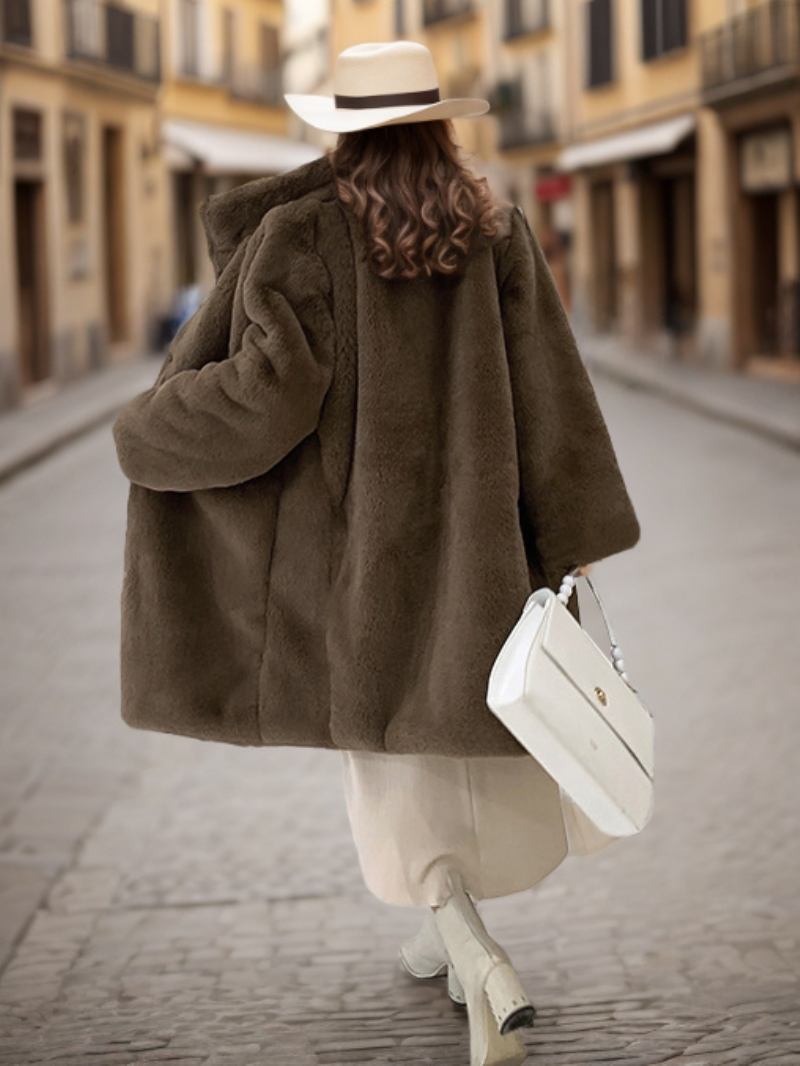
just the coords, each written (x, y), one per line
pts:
(418, 202)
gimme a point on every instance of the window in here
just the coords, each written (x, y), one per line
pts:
(526, 16)
(599, 45)
(664, 27)
(74, 163)
(15, 24)
(270, 62)
(228, 17)
(120, 37)
(189, 38)
(27, 134)
(270, 48)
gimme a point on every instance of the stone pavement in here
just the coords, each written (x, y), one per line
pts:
(166, 900)
(61, 414)
(769, 408)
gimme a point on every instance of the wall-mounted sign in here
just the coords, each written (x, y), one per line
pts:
(553, 187)
(766, 160)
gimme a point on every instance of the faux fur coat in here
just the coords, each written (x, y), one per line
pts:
(344, 487)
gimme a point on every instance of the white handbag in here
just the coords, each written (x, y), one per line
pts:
(576, 711)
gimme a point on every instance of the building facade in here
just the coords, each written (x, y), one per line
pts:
(633, 157)
(750, 206)
(684, 154)
(528, 92)
(655, 145)
(224, 120)
(83, 267)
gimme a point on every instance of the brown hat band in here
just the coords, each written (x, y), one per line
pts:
(421, 96)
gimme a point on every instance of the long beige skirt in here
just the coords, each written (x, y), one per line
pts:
(502, 821)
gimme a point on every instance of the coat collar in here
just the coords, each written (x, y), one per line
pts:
(228, 217)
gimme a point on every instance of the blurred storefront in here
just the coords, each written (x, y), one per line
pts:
(82, 262)
(633, 157)
(684, 145)
(751, 85)
(636, 192)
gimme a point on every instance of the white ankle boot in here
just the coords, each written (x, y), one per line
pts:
(425, 956)
(496, 1001)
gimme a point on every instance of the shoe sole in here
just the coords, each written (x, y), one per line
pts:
(524, 1018)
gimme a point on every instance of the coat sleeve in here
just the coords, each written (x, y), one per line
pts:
(235, 417)
(574, 504)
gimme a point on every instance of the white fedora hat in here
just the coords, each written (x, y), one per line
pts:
(379, 84)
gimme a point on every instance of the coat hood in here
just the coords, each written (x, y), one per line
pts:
(228, 217)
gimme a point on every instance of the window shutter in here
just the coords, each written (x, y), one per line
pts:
(675, 24)
(599, 44)
(16, 21)
(649, 9)
(120, 37)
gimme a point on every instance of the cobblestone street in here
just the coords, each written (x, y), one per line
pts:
(166, 900)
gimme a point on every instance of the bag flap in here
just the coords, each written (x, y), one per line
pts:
(577, 655)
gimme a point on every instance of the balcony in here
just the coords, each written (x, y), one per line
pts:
(521, 126)
(754, 50)
(434, 11)
(526, 16)
(113, 37)
(526, 129)
(15, 23)
(251, 84)
(257, 85)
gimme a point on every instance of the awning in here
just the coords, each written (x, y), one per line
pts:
(656, 139)
(226, 150)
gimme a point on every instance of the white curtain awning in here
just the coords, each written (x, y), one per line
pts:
(226, 150)
(656, 139)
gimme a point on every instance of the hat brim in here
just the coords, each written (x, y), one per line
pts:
(321, 112)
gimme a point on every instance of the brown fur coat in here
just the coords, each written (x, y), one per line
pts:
(343, 487)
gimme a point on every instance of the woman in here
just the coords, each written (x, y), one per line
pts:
(371, 441)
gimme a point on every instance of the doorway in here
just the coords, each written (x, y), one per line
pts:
(185, 228)
(679, 241)
(31, 260)
(765, 307)
(604, 255)
(113, 169)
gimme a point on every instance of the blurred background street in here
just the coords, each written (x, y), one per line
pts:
(654, 144)
(167, 900)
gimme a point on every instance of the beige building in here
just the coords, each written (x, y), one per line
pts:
(528, 91)
(117, 118)
(684, 130)
(749, 202)
(83, 267)
(224, 120)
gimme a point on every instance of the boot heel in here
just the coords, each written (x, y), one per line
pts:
(507, 998)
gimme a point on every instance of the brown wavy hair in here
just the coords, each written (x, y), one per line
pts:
(418, 202)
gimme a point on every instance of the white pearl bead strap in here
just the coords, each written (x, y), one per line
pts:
(565, 591)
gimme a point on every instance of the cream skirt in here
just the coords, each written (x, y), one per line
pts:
(502, 821)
